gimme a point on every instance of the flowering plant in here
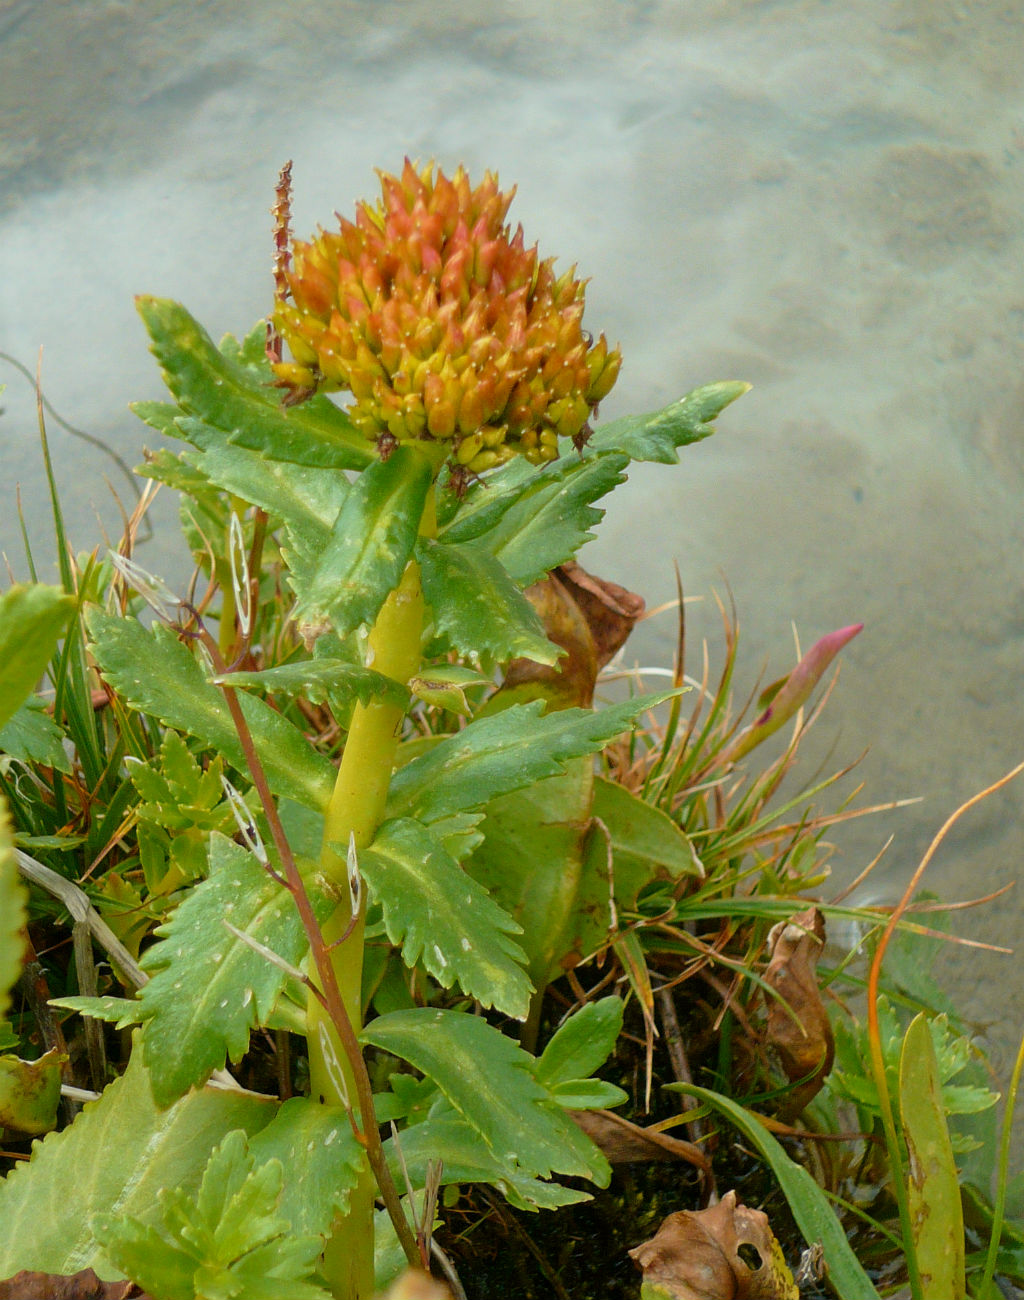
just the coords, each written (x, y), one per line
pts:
(406, 527)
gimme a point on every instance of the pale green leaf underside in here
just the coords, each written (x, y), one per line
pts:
(443, 919)
(208, 987)
(478, 610)
(122, 1150)
(31, 620)
(369, 546)
(239, 400)
(487, 1078)
(504, 752)
(156, 674)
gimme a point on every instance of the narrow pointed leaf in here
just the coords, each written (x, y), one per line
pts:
(240, 402)
(489, 1081)
(31, 621)
(370, 544)
(793, 693)
(504, 752)
(209, 988)
(156, 674)
(478, 610)
(122, 1149)
(656, 436)
(933, 1187)
(582, 1044)
(443, 919)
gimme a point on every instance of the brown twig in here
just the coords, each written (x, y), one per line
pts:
(330, 992)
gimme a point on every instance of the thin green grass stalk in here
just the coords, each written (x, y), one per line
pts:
(999, 1203)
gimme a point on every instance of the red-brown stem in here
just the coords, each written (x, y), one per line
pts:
(329, 984)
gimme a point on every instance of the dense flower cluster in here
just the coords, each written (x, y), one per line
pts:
(442, 325)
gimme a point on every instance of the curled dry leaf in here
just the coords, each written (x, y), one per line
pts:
(74, 1286)
(590, 619)
(624, 1142)
(726, 1252)
(798, 1026)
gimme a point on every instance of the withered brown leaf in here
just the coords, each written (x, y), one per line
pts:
(798, 1025)
(726, 1252)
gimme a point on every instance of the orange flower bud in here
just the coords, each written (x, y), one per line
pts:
(442, 324)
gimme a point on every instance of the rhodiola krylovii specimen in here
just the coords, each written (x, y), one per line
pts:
(443, 326)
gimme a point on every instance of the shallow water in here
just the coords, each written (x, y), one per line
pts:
(825, 199)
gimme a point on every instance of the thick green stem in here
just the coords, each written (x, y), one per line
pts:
(354, 812)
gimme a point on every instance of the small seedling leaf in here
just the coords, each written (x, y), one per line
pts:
(582, 1044)
(228, 1240)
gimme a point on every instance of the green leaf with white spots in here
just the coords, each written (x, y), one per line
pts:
(478, 610)
(489, 1080)
(317, 1146)
(209, 988)
(369, 546)
(155, 674)
(443, 920)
